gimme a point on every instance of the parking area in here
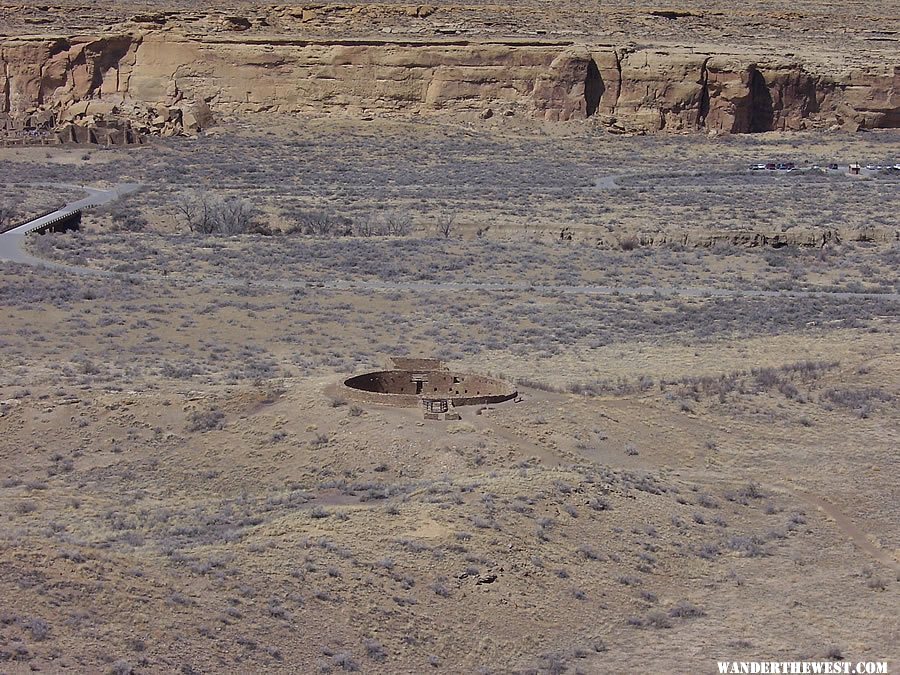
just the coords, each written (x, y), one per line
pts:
(850, 169)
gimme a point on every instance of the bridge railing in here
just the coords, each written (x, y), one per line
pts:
(43, 227)
(32, 219)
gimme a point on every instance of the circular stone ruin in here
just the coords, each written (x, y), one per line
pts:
(413, 387)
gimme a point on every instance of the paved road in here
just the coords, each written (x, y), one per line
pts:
(11, 242)
(11, 250)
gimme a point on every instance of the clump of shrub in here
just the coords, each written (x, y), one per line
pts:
(686, 610)
(205, 214)
(206, 420)
(862, 401)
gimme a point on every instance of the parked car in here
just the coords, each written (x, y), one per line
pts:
(833, 166)
(757, 167)
(771, 166)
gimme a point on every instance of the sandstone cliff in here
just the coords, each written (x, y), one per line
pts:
(167, 83)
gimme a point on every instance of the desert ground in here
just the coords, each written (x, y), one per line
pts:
(688, 476)
(702, 460)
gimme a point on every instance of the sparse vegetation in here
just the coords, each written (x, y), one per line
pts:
(180, 438)
(205, 420)
(8, 214)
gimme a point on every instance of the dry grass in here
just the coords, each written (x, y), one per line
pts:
(181, 489)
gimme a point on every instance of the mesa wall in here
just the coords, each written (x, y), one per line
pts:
(629, 88)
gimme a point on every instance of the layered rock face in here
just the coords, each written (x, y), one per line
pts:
(170, 84)
(80, 90)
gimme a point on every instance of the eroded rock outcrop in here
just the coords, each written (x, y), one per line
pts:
(79, 91)
(675, 91)
(169, 84)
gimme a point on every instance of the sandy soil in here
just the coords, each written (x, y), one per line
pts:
(685, 479)
(181, 490)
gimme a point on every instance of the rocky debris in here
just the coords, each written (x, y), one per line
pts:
(480, 579)
(103, 122)
(238, 23)
(197, 117)
(78, 91)
(803, 237)
(158, 19)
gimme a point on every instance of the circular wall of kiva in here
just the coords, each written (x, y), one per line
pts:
(409, 388)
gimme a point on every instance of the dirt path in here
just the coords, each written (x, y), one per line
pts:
(840, 520)
(548, 457)
(847, 527)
